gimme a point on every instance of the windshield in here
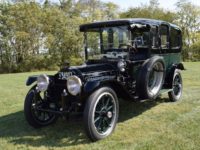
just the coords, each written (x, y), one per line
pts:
(112, 42)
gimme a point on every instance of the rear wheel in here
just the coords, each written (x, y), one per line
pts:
(101, 113)
(35, 117)
(177, 87)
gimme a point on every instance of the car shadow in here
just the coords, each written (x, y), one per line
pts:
(128, 110)
(70, 132)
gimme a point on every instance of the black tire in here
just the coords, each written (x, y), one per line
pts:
(177, 87)
(98, 118)
(151, 78)
(30, 112)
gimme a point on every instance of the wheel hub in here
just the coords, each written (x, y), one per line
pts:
(109, 114)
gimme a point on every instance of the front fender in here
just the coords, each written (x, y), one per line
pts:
(120, 90)
(31, 79)
(91, 86)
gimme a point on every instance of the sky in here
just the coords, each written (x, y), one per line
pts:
(166, 4)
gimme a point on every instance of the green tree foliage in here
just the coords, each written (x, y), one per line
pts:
(151, 10)
(194, 53)
(42, 36)
(188, 18)
(37, 35)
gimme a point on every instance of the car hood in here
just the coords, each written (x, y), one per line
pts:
(89, 71)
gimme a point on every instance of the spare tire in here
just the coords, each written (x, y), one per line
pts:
(150, 78)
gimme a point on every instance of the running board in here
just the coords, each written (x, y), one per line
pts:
(162, 91)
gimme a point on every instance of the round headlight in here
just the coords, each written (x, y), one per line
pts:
(42, 82)
(74, 85)
(121, 65)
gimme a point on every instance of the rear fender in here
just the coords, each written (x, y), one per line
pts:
(169, 79)
(179, 66)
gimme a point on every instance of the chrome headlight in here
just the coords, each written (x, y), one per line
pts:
(121, 65)
(74, 85)
(42, 82)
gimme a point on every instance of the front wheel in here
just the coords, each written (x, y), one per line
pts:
(101, 113)
(177, 87)
(35, 117)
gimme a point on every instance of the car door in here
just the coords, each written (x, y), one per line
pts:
(175, 46)
(164, 44)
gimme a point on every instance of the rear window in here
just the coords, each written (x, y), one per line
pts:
(175, 38)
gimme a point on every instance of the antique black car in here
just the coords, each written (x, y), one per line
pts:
(133, 59)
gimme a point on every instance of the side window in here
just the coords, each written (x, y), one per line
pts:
(164, 30)
(154, 35)
(105, 39)
(175, 38)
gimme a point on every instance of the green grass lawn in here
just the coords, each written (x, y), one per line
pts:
(156, 124)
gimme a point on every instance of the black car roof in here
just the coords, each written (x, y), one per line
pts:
(130, 21)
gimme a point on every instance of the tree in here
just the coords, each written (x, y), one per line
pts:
(110, 11)
(188, 18)
(194, 53)
(61, 33)
(151, 10)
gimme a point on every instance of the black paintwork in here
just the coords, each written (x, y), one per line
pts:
(31, 80)
(98, 73)
(121, 22)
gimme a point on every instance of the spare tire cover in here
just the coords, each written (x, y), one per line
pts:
(150, 78)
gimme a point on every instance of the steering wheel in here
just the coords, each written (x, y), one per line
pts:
(129, 46)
